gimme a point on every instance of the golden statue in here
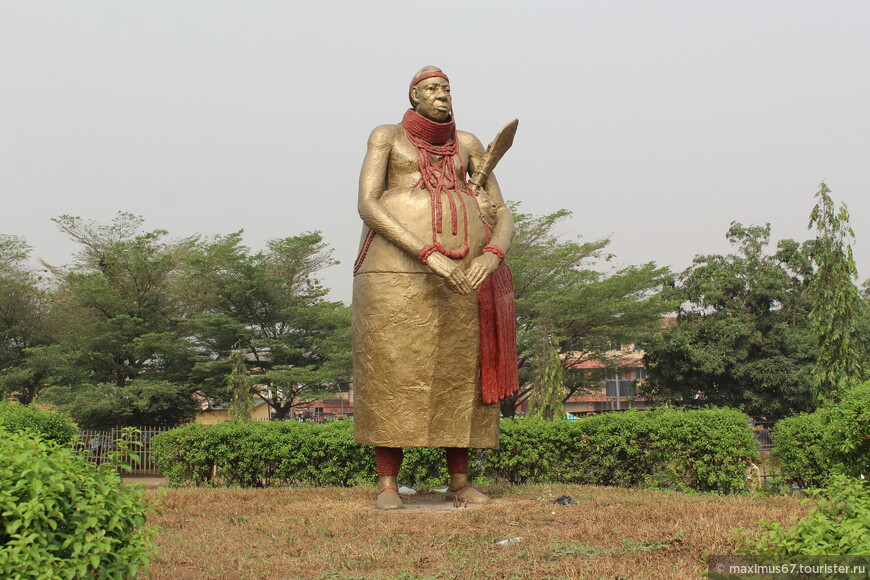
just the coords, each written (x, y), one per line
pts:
(426, 304)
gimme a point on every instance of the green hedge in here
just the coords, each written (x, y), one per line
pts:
(835, 439)
(705, 450)
(799, 449)
(55, 426)
(62, 517)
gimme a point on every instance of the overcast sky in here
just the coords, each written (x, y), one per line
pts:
(656, 123)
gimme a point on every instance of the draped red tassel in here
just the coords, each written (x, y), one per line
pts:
(498, 337)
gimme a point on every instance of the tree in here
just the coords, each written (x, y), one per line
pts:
(562, 299)
(239, 387)
(838, 314)
(138, 402)
(740, 338)
(545, 401)
(119, 301)
(24, 322)
(269, 306)
(122, 355)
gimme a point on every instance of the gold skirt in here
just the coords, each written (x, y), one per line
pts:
(416, 358)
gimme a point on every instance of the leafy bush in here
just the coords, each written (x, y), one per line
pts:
(705, 450)
(799, 448)
(848, 438)
(61, 517)
(55, 426)
(834, 439)
(835, 525)
(252, 454)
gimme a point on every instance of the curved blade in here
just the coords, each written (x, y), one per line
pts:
(499, 146)
(494, 152)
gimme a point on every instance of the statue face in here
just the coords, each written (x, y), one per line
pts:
(432, 97)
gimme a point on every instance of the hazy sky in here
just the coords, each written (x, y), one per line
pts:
(656, 122)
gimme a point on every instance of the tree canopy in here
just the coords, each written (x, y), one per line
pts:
(119, 301)
(567, 302)
(741, 337)
(270, 308)
(24, 322)
(143, 326)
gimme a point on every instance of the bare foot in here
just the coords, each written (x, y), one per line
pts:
(388, 499)
(466, 494)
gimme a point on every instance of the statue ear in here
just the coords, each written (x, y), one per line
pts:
(413, 96)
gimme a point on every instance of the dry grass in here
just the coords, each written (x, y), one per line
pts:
(333, 533)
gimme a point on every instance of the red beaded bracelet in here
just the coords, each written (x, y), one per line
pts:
(495, 250)
(426, 252)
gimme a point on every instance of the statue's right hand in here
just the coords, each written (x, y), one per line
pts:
(453, 276)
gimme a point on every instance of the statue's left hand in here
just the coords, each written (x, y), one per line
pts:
(481, 267)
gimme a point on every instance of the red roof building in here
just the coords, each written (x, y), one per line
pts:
(618, 390)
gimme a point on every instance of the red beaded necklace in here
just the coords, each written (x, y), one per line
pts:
(436, 145)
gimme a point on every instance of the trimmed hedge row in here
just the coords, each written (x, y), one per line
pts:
(705, 450)
(56, 427)
(835, 439)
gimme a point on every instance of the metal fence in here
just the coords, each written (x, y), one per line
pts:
(761, 430)
(98, 446)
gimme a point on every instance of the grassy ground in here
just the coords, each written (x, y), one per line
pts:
(334, 533)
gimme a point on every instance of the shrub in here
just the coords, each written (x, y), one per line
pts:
(848, 436)
(55, 426)
(61, 517)
(527, 450)
(705, 450)
(252, 454)
(834, 439)
(835, 525)
(798, 445)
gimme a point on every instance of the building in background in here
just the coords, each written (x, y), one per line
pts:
(618, 390)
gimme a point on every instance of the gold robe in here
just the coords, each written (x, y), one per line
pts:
(416, 344)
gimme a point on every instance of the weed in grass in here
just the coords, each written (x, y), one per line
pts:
(462, 552)
(393, 539)
(559, 550)
(635, 547)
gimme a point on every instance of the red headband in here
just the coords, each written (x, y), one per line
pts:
(428, 75)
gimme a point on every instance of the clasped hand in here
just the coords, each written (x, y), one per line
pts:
(459, 281)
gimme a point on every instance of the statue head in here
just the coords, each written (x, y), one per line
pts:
(429, 94)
